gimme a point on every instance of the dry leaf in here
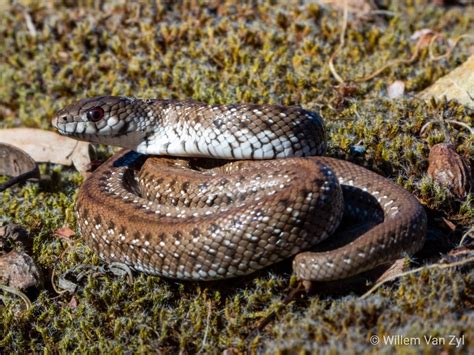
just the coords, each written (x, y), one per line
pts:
(359, 7)
(449, 169)
(395, 269)
(16, 163)
(64, 232)
(459, 253)
(457, 85)
(48, 147)
(448, 224)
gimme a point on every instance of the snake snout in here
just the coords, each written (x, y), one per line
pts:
(59, 119)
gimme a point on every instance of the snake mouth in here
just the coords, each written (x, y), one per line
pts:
(75, 135)
(65, 130)
(70, 129)
(75, 128)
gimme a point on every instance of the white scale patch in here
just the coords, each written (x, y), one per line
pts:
(197, 141)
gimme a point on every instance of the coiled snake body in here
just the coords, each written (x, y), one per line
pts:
(203, 219)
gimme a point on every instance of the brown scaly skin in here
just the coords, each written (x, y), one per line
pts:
(181, 219)
(401, 233)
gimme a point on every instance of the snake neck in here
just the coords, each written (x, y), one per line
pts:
(244, 131)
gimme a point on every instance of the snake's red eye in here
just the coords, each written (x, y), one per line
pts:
(95, 114)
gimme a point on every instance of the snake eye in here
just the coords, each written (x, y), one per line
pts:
(95, 114)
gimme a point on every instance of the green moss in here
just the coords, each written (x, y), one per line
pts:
(263, 52)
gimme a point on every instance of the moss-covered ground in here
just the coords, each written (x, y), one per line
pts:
(53, 52)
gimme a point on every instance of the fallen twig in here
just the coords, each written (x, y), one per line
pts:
(18, 293)
(414, 271)
(454, 43)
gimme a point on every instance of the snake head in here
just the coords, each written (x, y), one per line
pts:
(111, 120)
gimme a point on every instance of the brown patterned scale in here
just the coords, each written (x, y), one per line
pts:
(204, 219)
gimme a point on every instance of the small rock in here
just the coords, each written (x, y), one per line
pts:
(18, 270)
(449, 169)
(396, 89)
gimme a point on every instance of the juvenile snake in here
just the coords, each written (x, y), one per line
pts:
(206, 219)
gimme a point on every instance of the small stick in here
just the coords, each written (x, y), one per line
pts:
(414, 271)
(17, 293)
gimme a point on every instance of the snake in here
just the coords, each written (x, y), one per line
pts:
(207, 192)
